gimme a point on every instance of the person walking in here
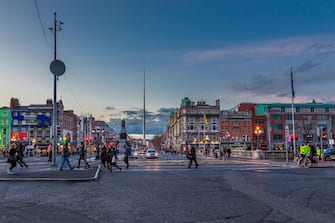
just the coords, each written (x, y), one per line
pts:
(126, 155)
(83, 156)
(50, 152)
(103, 155)
(114, 159)
(66, 157)
(193, 157)
(20, 155)
(12, 158)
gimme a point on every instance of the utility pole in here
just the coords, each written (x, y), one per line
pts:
(57, 67)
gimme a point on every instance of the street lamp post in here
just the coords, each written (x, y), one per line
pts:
(258, 132)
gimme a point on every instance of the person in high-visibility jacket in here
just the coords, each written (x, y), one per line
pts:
(305, 150)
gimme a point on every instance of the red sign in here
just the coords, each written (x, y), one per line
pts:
(19, 136)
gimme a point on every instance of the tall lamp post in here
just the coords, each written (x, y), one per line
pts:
(57, 68)
(258, 132)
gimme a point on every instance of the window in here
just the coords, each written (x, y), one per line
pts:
(305, 110)
(277, 137)
(5, 114)
(277, 117)
(191, 126)
(4, 131)
(277, 127)
(321, 110)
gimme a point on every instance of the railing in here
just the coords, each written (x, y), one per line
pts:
(260, 154)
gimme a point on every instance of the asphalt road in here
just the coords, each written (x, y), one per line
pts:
(255, 192)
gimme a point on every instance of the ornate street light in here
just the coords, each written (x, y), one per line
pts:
(258, 132)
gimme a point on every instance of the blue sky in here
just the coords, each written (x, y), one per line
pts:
(235, 51)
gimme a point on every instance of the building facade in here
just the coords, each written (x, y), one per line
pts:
(195, 124)
(5, 125)
(276, 122)
(236, 128)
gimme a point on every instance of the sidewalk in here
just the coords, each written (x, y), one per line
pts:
(39, 169)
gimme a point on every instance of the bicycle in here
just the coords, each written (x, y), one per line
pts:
(303, 161)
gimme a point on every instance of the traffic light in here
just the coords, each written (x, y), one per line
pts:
(59, 131)
(324, 134)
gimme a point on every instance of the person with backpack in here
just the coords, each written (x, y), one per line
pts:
(66, 157)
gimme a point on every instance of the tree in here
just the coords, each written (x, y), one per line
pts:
(157, 140)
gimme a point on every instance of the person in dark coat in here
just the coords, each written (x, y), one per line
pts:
(103, 155)
(12, 158)
(193, 157)
(82, 155)
(50, 152)
(126, 155)
(20, 155)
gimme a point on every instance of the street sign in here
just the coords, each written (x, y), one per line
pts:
(57, 67)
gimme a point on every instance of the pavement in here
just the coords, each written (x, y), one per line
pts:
(41, 170)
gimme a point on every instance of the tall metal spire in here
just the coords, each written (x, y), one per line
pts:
(143, 124)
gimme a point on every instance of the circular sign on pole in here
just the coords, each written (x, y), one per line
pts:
(57, 67)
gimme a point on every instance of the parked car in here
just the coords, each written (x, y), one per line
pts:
(151, 154)
(329, 154)
(133, 153)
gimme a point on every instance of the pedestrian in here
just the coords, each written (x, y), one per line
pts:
(66, 157)
(12, 158)
(221, 153)
(83, 155)
(126, 155)
(228, 152)
(20, 155)
(50, 152)
(114, 159)
(109, 157)
(103, 155)
(193, 157)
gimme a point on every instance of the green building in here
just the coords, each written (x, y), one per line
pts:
(5, 124)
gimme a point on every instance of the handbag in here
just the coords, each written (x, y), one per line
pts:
(189, 156)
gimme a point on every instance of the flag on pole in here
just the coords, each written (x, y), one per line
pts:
(205, 119)
(292, 88)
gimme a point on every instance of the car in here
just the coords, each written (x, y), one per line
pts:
(151, 154)
(42, 150)
(329, 154)
(133, 153)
